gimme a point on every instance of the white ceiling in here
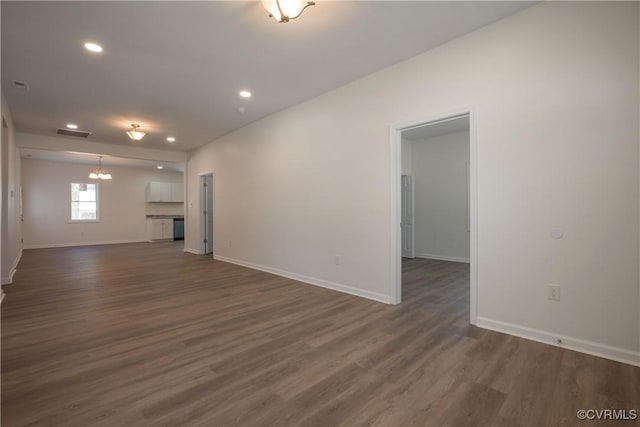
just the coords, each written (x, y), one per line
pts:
(176, 67)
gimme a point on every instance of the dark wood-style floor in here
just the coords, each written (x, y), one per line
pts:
(146, 335)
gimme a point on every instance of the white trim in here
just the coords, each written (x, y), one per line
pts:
(395, 178)
(589, 347)
(395, 282)
(8, 280)
(309, 280)
(443, 258)
(192, 251)
(203, 247)
(413, 214)
(66, 245)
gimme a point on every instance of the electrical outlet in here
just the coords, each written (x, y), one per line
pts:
(553, 292)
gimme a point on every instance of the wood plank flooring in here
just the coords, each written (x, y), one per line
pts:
(146, 335)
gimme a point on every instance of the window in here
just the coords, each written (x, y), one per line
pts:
(84, 202)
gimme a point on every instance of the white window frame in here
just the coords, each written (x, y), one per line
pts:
(83, 221)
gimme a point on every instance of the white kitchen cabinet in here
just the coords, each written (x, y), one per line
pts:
(156, 229)
(177, 192)
(167, 228)
(166, 192)
(165, 188)
(154, 192)
(159, 228)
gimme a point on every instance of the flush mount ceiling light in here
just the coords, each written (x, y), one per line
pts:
(100, 173)
(171, 139)
(160, 167)
(134, 133)
(285, 10)
(93, 47)
(72, 126)
(245, 94)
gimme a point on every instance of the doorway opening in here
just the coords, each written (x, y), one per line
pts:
(434, 204)
(206, 213)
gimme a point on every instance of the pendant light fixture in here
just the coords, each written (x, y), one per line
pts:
(285, 10)
(135, 133)
(100, 173)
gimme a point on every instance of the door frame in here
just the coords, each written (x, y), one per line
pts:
(395, 291)
(413, 216)
(201, 198)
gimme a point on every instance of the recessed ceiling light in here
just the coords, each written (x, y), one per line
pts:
(93, 47)
(245, 94)
(160, 167)
(72, 126)
(171, 139)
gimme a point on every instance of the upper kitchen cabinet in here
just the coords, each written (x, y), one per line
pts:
(177, 192)
(168, 192)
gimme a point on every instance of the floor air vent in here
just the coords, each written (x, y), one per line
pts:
(78, 133)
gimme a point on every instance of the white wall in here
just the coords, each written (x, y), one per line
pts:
(11, 234)
(555, 95)
(439, 166)
(123, 206)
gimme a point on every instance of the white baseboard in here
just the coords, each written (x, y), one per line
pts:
(192, 251)
(589, 347)
(66, 245)
(443, 258)
(310, 280)
(9, 279)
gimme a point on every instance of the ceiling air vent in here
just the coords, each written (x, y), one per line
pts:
(18, 84)
(69, 132)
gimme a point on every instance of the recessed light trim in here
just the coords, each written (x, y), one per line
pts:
(93, 47)
(72, 126)
(171, 139)
(245, 94)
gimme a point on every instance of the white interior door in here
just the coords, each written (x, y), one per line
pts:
(406, 222)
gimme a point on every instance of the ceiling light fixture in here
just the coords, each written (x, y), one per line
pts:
(100, 173)
(285, 10)
(93, 47)
(160, 167)
(171, 139)
(245, 94)
(72, 126)
(134, 133)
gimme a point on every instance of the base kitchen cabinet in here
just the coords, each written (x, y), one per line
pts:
(159, 229)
